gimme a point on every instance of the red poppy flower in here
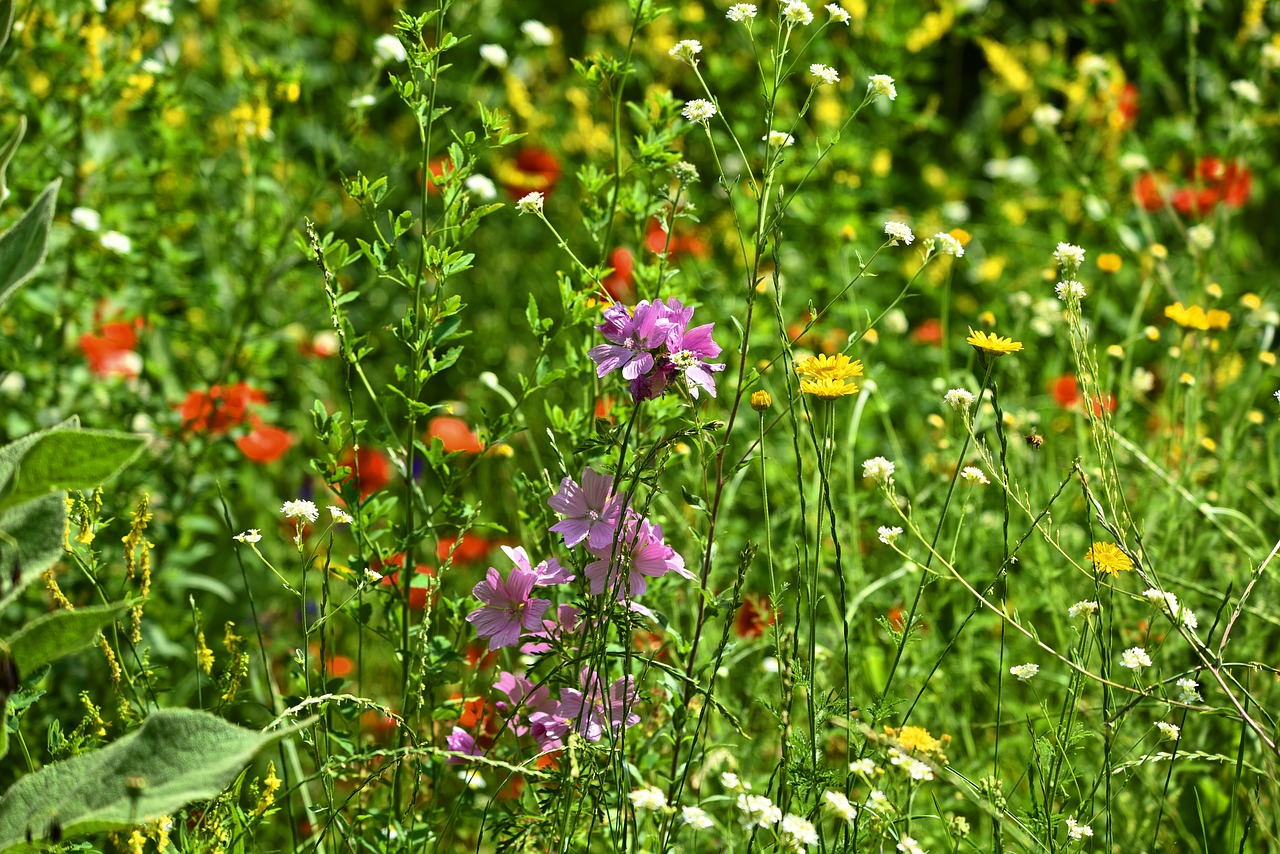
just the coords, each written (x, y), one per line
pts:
(1066, 390)
(472, 548)
(604, 407)
(928, 332)
(681, 242)
(218, 409)
(1127, 103)
(455, 434)
(111, 353)
(340, 666)
(534, 169)
(1189, 201)
(619, 282)
(439, 168)
(1236, 183)
(417, 594)
(370, 469)
(480, 657)
(755, 614)
(1149, 191)
(264, 444)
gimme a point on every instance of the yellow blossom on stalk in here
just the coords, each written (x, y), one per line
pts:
(919, 740)
(962, 237)
(837, 367)
(1195, 317)
(827, 388)
(1107, 557)
(992, 344)
(1251, 301)
(1109, 262)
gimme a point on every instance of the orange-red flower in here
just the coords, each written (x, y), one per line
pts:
(218, 409)
(369, 468)
(417, 595)
(111, 353)
(454, 434)
(472, 548)
(755, 614)
(532, 170)
(928, 332)
(619, 283)
(264, 444)
(1066, 391)
(682, 242)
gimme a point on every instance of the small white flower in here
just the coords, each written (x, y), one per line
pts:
(1068, 256)
(365, 100)
(372, 575)
(1070, 290)
(758, 811)
(538, 33)
(1076, 830)
(1143, 380)
(878, 469)
(648, 798)
(1167, 601)
(882, 84)
(974, 475)
(698, 110)
(250, 536)
(1092, 65)
(799, 831)
(730, 781)
(907, 845)
(1024, 671)
(340, 516)
(1132, 161)
(388, 48)
(840, 806)
(1046, 116)
(13, 384)
(495, 55)
(948, 245)
(959, 399)
(1168, 731)
(797, 12)
(1270, 56)
(779, 139)
(1135, 658)
(86, 218)
(686, 51)
(741, 12)
(878, 802)
(482, 187)
(898, 231)
(838, 14)
(531, 203)
(1200, 236)
(888, 535)
(1188, 691)
(685, 172)
(824, 73)
(1085, 607)
(1246, 90)
(696, 817)
(160, 11)
(1188, 619)
(301, 509)
(116, 242)
(864, 768)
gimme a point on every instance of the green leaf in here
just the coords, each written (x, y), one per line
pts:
(37, 527)
(6, 153)
(59, 634)
(68, 459)
(178, 755)
(6, 21)
(22, 247)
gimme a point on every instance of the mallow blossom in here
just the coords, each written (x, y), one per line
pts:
(591, 711)
(591, 512)
(508, 607)
(653, 344)
(640, 553)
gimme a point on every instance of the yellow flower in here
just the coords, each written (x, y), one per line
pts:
(962, 237)
(761, 400)
(1195, 317)
(992, 344)
(837, 367)
(1107, 557)
(1109, 262)
(828, 388)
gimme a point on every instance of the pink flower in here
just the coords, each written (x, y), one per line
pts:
(640, 553)
(508, 607)
(590, 512)
(525, 699)
(548, 572)
(462, 742)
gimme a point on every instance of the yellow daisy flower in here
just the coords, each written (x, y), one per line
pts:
(827, 388)
(1107, 557)
(837, 367)
(992, 344)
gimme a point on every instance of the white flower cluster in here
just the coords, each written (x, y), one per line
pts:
(1084, 607)
(898, 232)
(531, 203)
(882, 84)
(1076, 830)
(948, 245)
(797, 12)
(1070, 291)
(1135, 658)
(301, 509)
(824, 73)
(698, 110)
(741, 12)
(758, 811)
(878, 469)
(779, 139)
(1024, 671)
(840, 806)
(889, 535)
(974, 475)
(686, 51)
(915, 769)
(696, 817)
(838, 14)
(1068, 256)
(648, 798)
(959, 399)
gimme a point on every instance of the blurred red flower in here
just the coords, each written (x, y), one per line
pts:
(472, 548)
(369, 468)
(534, 169)
(218, 409)
(755, 614)
(1066, 391)
(928, 332)
(619, 282)
(1149, 191)
(417, 595)
(454, 433)
(264, 444)
(682, 242)
(111, 353)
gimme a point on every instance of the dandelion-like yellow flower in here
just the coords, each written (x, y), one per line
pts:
(1110, 262)
(837, 367)
(992, 344)
(1107, 557)
(828, 388)
(917, 738)
(1195, 317)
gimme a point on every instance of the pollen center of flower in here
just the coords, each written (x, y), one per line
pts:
(684, 360)
(593, 516)
(630, 343)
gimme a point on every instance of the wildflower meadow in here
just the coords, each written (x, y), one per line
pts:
(493, 426)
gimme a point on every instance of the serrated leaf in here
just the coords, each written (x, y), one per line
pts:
(68, 459)
(59, 634)
(179, 755)
(22, 247)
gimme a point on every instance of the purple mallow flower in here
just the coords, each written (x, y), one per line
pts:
(590, 512)
(507, 607)
(462, 744)
(525, 699)
(565, 623)
(653, 345)
(640, 553)
(548, 572)
(591, 711)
